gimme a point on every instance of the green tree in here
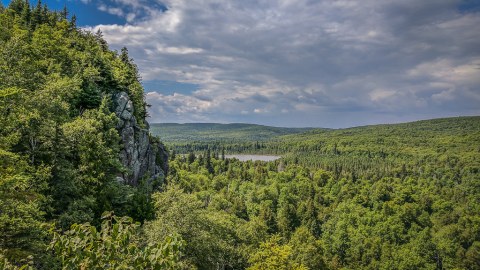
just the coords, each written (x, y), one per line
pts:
(22, 224)
(274, 256)
(306, 249)
(210, 235)
(115, 246)
(93, 142)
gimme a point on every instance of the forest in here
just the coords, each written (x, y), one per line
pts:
(403, 196)
(376, 197)
(385, 149)
(219, 133)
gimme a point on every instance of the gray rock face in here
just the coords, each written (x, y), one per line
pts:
(141, 155)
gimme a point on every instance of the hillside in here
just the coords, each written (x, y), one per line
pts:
(365, 149)
(399, 196)
(210, 132)
(395, 147)
(456, 134)
(73, 137)
(287, 140)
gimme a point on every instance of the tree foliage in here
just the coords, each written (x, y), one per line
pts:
(411, 218)
(58, 140)
(272, 256)
(115, 246)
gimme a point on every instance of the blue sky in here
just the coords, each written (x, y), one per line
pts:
(87, 14)
(297, 62)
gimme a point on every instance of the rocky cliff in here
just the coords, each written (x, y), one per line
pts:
(142, 155)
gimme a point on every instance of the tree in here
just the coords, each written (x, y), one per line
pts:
(93, 142)
(208, 163)
(306, 249)
(274, 256)
(17, 6)
(210, 236)
(22, 225)
(64, 12)
(115, 246)
(286, 213)
(37, 18)
(191, 157)
(58, 140)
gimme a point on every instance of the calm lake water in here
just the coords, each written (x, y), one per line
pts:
(253, 157)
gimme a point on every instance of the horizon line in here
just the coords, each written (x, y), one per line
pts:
(312, 127)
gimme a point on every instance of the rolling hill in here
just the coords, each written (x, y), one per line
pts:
(210, 132)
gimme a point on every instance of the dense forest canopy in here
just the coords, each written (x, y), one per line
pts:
(403, 196)
(59, 146)
(212, 132)
(379, 150)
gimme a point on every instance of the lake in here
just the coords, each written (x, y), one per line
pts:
(253, 157)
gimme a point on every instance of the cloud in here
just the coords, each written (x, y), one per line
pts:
(111, 10)
(381, 94)
(130, 10)
(180, 107)
(326, 63)
(177, 50)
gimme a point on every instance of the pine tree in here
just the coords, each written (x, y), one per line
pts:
(26, 13)
(17, 6)
(191, 158)
(73, 21)
(64, 13)
(37, 18)
(208, 162)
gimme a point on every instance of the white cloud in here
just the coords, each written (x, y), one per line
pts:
(381, 94)
(130, 17)
(177, 50)
(444, 95)
(314, 62)
(111, 10)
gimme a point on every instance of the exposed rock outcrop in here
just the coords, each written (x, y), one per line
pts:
(142, 155)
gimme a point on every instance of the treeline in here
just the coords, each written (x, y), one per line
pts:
(59, 147)
(372, 151)
(402, 196)
(213, 132)
(281, 215)
(221, 146)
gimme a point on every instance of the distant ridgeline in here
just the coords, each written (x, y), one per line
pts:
(72, 130)
(403, 196)
(204, 132)
(378, 150)
(233, 138)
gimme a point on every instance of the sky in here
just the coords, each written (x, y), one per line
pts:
(297, 63)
